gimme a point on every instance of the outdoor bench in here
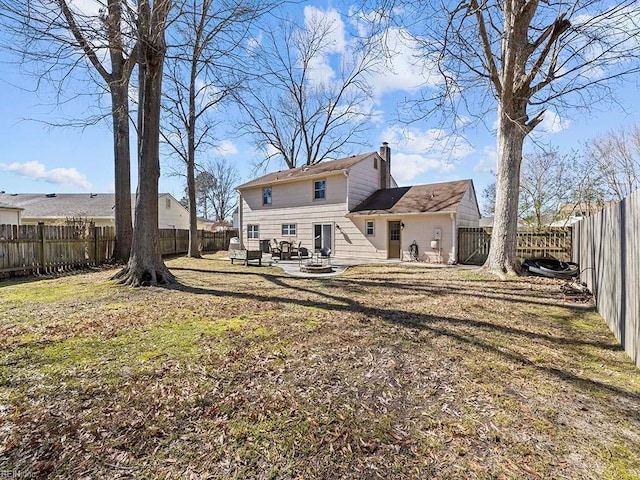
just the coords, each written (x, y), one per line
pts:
(246, 256)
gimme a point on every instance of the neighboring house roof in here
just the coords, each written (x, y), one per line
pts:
(4, 206)
(486, 222)
(585, 208)
(432, 198)
(60, 205)
(322, 168)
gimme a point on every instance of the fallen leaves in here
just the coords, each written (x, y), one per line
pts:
(380, 373)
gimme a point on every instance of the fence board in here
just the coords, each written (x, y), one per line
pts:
(54, 248)
(608, 252)
(474, 244)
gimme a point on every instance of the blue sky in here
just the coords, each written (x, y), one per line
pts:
(35, 157)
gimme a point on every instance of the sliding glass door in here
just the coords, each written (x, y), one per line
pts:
(323, 236)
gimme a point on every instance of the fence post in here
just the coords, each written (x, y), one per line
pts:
(41, 250)
(95, 245)
(175, 240)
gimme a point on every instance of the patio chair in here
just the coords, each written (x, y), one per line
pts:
(285, 248)
(276, 251)
(325, 254)
(295, 249)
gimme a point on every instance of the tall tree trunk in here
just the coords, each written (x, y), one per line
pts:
(145, 265)
(191, 164)
(502, 257)
(194, 250)
(122, 169)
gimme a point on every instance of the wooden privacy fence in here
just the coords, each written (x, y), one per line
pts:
(608, 252)
(174, 241)
(474, 243)
(54, 248)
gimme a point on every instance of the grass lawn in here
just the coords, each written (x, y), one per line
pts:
(243, 372)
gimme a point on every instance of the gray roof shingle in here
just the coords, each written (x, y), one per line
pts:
(326, 167)
(431, 198)
(40, 205)
(61, 205)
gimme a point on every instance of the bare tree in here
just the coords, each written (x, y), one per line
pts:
(222, 195)
(546, 183)
(489, 199)
(616, 159)
(145, 265)
(519, 57)
(61, 38)
(204, 184)
(202, 70)
(291, 108)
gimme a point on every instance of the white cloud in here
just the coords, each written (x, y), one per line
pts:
(487, 162)
(405, 167)
(418, 151)
(207, 93)
(405, 70)
(553, 123)
(226, 147)
(335, 41)
(254, 44)
(58, 176)
(90, 8)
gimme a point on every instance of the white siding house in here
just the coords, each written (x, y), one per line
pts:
(10, 215)
(354, 207)
(55, 209)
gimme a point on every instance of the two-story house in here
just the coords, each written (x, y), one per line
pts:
(354, 206)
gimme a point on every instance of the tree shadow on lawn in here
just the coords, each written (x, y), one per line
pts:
(437, 325)
(445, 287)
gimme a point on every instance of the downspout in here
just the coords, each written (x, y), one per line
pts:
(346, 174)
(240, 227)
(454, 241)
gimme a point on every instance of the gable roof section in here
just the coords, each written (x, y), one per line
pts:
(432, 198)
(40, 205)
(319, 169)
(4, 206)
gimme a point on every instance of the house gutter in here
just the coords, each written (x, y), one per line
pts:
(454, 241)
(346, 174)
(295, 179)
(240, 227)
(399, 214)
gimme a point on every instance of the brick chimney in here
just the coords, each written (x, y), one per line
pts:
(385, 167)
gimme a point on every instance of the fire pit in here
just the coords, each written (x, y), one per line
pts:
(315, 268)
(318, 262)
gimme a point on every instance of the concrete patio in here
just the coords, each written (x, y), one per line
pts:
(340, 264)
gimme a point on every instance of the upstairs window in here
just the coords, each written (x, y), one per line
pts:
(375, 162)
(167, 203)
(266, 196)
(253, 232)
(320, 190)
(370, 228)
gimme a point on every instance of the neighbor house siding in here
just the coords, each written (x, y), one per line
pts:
(9, 216)
(468, 214)
(363, 180)
(176, 216)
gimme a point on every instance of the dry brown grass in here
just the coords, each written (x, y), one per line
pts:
(244, 372)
